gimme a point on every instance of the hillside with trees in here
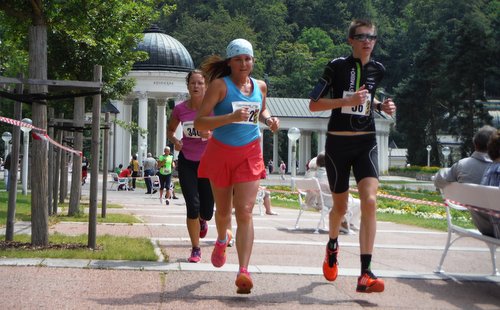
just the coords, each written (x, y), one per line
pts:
(440, 55)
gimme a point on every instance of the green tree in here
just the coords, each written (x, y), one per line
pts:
(80, 37)
(469, 67)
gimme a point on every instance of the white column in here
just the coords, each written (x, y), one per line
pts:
(122, 139)
(261, 133)
(142, 142)
(127, 137)
(321, 141)
(178, 134)
(306, 154)
(161, 126)
(275, 150)
(116, 145)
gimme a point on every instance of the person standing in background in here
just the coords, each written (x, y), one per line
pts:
(282, 170)
(196, 191)
(149, 166)
(6, 167)
(232, 107)
(85, 168)
(270, 166)
(135, 170)
(166, 165)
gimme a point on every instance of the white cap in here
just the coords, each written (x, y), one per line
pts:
(239, 47)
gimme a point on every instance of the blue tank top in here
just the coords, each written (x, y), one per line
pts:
(241, 133)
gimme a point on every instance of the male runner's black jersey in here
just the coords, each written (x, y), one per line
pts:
(348, 74)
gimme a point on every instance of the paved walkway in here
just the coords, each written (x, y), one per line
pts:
(285, 266)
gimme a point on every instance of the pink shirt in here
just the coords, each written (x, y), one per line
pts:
(193, 145)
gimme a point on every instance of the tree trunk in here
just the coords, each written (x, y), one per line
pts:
(105, 165)
(94, 176)
(14, 165)
(57, 171)
(63, 188)
(51, 156)
(39, 166)
(76, 175)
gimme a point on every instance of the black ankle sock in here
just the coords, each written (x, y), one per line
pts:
(332, 244)
(366, 260)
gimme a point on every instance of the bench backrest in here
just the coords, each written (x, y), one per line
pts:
(487, 197)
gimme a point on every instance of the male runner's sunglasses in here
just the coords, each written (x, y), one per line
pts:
(364, 37)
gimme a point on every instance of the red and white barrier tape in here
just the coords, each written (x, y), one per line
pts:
(39, 134)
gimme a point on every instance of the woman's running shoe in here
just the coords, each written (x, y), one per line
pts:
(195, 255)
(219, 252)
(243, 282)
(203, 228)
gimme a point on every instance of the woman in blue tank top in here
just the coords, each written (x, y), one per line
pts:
(232, 107)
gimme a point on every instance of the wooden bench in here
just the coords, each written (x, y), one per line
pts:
(463, 196)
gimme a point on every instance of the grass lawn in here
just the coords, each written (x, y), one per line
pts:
(62, 246)
(389, 210)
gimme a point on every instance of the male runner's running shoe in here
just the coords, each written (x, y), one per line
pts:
(369, 283)
(203, 228)
(195, 255)
(243, 282)
(219, 252)
(330, 264)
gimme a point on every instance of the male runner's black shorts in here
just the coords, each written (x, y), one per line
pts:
(343, 152)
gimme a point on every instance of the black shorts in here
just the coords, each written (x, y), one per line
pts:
(343, 152)
(165, 180)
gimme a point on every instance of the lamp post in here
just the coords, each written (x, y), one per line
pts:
(428, 148)
(6, 137)
(143, 148)
(293, 136)
(446, 152)
(390, 155)
(26, 140)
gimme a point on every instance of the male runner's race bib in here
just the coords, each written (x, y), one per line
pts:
(362, 109)
(253, 109)
(189, 131)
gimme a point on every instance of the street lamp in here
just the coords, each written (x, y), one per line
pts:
(26, 140)
(293, 136)
(428, 148)
(446, 152)
(6, 137)
(143, 148)
(390, 155)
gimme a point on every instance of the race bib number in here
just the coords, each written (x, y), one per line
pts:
(253, 109)
(189, 131)
(362, 109)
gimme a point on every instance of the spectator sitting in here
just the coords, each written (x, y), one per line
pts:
(119, 169)
(267, 201)
(470, 170)
(352, 217)
(491, 177)
(125, 173)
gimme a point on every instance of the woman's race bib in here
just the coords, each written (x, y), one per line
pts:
(189, 131)
(362, 109)
(253, 109)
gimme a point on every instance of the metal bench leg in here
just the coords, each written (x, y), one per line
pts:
(493, 250)
(448, 244)
(298, 218)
